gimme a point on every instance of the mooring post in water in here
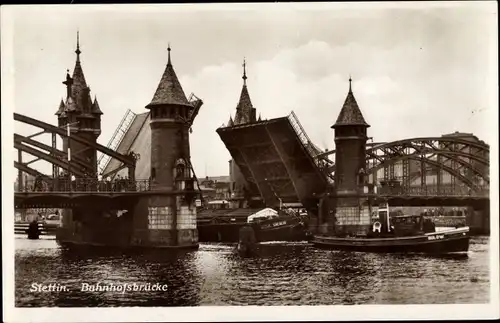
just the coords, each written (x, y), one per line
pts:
(33, 231)
(247, 241)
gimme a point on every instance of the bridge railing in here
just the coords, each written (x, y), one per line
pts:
(432, 191)
(116, 139)
(86, 185)
(307, 143)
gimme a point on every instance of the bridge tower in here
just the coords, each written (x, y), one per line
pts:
(81, 113)
(171, 213)
(245, 113)
(350, 161)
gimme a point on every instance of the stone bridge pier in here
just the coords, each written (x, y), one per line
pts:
(478, 219)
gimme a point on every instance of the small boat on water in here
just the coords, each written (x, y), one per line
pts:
(224, 224)
(247, 244)
(406, 233)
(271, 225)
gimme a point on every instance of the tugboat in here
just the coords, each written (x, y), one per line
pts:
(404, 233)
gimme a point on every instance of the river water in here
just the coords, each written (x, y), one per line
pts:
(282, 274)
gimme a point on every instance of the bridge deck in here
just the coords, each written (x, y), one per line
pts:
(133, 141)
(274, 160)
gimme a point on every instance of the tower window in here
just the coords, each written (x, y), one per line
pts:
(361, 177)
(180, 171)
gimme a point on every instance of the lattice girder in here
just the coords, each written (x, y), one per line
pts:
(398, 157)
(76, 170)
(49, 149)
(426, 148)
(429, 151)
(385, 161)
(25, 168)
(467, 161)
(127, 159)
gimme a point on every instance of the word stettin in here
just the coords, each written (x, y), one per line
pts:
(126, 287)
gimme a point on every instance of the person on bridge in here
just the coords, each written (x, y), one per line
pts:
(38, 184)
(126, 184)
(116, 184)
(107, 184)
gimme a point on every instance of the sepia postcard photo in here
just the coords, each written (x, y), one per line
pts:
(236, 162)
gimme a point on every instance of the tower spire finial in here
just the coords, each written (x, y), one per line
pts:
(244, 72)
(169, 49)
(77, 51)
(68, 83)
(350, 81)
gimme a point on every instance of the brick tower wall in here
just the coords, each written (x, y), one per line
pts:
(351, 217)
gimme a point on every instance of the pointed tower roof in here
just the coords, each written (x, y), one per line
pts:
(230, 123)
(169, 89)
(95, 107)
(244, 107)
(260, 119)
(61, 109)
(245, 103)
(350, 114)
(79, 82)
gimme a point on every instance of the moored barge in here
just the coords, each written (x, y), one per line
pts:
(223, 225)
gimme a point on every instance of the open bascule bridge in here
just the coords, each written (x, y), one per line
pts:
(276, 164)
(147, 193)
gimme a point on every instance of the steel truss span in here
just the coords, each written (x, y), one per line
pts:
(80, 162)
(78, 167)
(127, 159)
(449, 161)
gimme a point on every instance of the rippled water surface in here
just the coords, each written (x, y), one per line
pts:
(282, 274)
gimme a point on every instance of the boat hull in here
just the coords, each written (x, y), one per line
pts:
(290, 232)
(435, 243)
(288, 229)
(219, 232)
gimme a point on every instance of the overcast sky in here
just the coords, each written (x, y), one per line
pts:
(417, 71)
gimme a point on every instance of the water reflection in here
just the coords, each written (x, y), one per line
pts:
(280, 274)
(176, 270)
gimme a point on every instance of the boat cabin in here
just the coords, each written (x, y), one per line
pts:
(412, 224)
(263, 215)
(385, 222)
